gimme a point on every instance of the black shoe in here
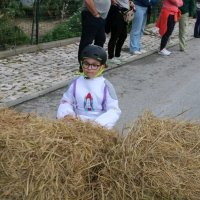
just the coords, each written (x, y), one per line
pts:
(110, 57)
(117, 55)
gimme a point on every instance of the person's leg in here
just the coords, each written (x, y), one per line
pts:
(182, 31)
(170, 28)
(87, 34)
(109, 20)
(89, 29)
(112, 42)
(143, 25)
(100, 36)
(113, 36)
(137, 24)
(116, 29)
(121, 40)
(197, 25)
(198, 21)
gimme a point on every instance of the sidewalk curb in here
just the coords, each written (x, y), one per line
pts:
(65, 82)
(34, 95)
(145, 55)
(39, 47)
(42, 46)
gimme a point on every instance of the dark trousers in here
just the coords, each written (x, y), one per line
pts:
(93, 30)
(197, 25)
(170, 28)
(118, 28)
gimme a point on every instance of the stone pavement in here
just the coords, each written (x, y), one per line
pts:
(29, 75)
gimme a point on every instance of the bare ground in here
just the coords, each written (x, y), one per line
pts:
(44, 26)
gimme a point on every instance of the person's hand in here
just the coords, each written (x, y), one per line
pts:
(113, 2)
(97, 15)
(132, 5)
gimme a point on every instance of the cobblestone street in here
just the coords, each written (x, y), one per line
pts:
(28, 75)
(166, 86)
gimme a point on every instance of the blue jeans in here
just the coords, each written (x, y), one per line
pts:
(137, 29)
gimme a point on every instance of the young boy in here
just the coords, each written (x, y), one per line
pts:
(91, 96)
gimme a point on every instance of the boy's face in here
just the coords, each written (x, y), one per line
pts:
(91, 67)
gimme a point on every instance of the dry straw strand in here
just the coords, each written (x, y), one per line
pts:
(44, 159)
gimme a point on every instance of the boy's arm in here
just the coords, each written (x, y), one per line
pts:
(66, 106)
(113, 112)
(92, 8)
(111, 116)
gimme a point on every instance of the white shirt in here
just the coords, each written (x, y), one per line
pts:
(84, 98)
(124, 4)
(102, 7)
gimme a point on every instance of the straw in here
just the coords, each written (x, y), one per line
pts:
(48, 159)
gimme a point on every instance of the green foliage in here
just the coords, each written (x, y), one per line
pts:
(11, 8)
(52, 8)
(73, 5)
(154, 13)
(69, 29)
(11, 34)
(48, 8)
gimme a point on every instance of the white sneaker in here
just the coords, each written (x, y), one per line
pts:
(114, 61)
(136, 52)
(164, 52)
(143, 51)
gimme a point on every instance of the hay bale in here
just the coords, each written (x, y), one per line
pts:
(43, 159)
(159, 159)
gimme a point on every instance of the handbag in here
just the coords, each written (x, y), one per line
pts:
(128, 15)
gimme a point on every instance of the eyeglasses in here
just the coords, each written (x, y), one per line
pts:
(87, 65)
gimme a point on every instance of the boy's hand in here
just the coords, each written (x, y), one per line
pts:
(69, 119)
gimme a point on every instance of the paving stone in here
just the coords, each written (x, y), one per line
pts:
(30, 73)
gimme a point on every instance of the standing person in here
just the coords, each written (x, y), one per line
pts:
(91, 96)
(93, 15)
(187, 10)
(169, 15)
(197, 23)
(116, 24)
(138, 24)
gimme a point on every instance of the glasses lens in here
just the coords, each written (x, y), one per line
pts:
(87, 65)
